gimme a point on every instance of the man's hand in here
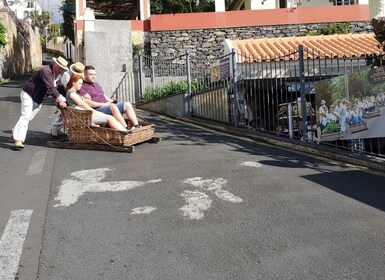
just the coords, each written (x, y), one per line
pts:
(61, 103)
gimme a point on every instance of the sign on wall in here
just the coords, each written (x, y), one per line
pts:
(220, 69)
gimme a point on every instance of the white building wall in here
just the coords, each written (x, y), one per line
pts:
(22, 8)
(377, 8)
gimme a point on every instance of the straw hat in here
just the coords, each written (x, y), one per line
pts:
(77, 68)
(61, 62)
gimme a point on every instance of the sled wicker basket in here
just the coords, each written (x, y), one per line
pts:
(78, 126)
(331, 137)
(351, 128)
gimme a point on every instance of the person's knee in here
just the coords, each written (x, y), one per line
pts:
(114, 108)
(127, 106)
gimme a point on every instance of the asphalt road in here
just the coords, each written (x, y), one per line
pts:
(197, 205)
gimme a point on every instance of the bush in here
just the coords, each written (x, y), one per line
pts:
(172, 88)
(3, 35)
(332, 127)
(330, 29)
(335, 28)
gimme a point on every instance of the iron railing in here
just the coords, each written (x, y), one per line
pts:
(262, 95)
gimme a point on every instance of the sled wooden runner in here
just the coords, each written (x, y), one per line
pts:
(65, 144)
(83, 135)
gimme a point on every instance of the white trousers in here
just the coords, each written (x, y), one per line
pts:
(29, 110)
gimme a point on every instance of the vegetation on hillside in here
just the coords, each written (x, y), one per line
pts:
(3, 35)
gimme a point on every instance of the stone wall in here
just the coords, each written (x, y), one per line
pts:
(209, 43)
(23, 52)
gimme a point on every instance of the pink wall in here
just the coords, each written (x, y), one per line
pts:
(253, 18)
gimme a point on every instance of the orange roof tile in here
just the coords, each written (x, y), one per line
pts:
(323, 46)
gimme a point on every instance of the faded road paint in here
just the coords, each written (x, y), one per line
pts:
(198, 201)
(142, 210)
(91, 181)
(251, 164)
(11, 243)
(37, 163)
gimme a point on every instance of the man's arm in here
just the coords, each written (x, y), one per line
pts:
(93, 104)
(48, 81)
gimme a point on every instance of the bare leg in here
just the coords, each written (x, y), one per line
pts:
(113, 123)
(117, 115)
(129, 110)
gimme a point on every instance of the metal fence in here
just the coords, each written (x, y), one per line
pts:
(265, 95)
(127, 89)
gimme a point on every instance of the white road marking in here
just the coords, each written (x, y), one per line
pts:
(142, 210)
(198, 202)
(11, 242)
(216, 186)
(91, 181)
(251, 164)
(37, 163)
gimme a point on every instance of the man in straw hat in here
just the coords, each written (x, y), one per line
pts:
(37, 89)
(57, 122)
(75, 68)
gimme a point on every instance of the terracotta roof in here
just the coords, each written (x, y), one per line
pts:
(329, 46)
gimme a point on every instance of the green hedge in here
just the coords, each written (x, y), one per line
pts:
(172, 88)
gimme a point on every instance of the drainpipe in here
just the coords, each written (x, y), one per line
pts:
(235, 86)
(188, 98)
(303, 94)
(141, 77)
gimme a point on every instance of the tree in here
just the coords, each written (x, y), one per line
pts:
(181, 6)
(40, 21)
(115, 9)
(69, 14)
(130, 9)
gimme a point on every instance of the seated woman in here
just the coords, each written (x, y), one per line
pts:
(76, 101)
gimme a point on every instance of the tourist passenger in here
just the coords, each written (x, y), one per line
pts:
(76, 101)
(95, 97)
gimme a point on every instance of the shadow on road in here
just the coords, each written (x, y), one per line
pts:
(367, 188)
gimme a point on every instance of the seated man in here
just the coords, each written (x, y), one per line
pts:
(95, 97)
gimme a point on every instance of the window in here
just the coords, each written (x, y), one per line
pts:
(344, 2)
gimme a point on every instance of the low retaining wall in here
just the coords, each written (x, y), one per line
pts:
(23, 53)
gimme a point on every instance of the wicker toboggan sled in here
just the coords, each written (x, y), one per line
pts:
(83, 135)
